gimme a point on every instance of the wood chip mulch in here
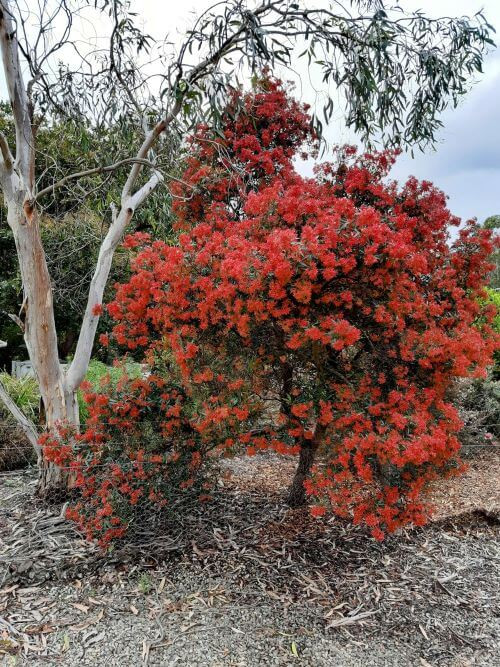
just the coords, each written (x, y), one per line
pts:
(477, 490)
(435, 589)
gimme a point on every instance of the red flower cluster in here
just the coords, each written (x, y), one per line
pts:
(139, 453)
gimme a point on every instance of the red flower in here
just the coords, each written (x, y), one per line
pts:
(318, 510)
(301, 409)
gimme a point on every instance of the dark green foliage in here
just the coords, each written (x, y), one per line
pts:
(493, 222)
(10, 295)
(73, 224)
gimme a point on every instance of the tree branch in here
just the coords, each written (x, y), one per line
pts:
(149, 141)
(90, 172)
(141, 194)
(129, 202)
(8, 159)
(76, 372)
(17, 93)
(22, 420)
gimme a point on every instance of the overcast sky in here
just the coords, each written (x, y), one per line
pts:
(466, 164)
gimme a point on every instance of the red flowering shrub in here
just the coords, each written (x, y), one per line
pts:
(142, 456)
(344, 290)
(340, 297)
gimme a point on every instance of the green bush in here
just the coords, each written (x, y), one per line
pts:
(494, 298)
(478, 402)
(24, 392)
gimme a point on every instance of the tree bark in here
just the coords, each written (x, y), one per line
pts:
(59, 400)
(297, 496)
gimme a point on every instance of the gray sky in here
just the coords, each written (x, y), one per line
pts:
(466, 164)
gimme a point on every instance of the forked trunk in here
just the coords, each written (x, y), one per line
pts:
(18, 186)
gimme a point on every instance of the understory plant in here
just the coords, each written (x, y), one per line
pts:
(139, 456)
(24, 392)
(15, 450)
(101, 375)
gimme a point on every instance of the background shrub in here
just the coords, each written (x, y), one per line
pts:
(493, 299)
(15, 450)
(478, 403)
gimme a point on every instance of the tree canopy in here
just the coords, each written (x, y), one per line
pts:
(396, 71)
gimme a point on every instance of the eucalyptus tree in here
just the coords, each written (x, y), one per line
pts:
(73, 223)
(397, 71)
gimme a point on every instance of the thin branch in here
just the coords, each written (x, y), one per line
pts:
(90, 172)
(27, 426)
(8, 159)
(141, 194)
(17, 320)
(17, 92)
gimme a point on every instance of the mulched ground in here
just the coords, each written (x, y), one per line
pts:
(244, 581)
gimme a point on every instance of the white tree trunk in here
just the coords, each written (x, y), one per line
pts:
(17, 180)
(39, 327)
(121, 219)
